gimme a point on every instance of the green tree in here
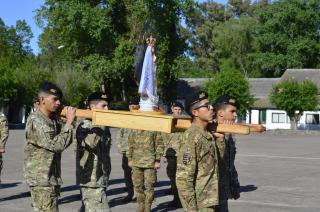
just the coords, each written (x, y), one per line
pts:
(231, 82)
(234, 45)
(164, 16)
(75, 84)
(294, 98)
(202, 22)
(100, 36)
(18, 66)
(222, 35)
(234, 83)
(288, 36)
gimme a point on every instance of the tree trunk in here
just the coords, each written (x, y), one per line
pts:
(124, 93)
(293, 123)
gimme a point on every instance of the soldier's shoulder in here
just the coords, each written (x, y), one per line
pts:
(34, 116)
(3, 117)
(191, 135)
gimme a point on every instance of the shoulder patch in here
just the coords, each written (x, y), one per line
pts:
(187, 157)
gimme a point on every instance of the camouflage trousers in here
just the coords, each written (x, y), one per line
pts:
(171, 173)
(1, 165)
(108, 166)
(95, 199)
(127, 174)
(45, 198)
(209, 209)
(144, 178)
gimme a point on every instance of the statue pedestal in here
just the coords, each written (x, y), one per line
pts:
(146, 105)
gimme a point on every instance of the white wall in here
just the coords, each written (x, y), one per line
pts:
(301, 124)
(254, 116)
(271, 125)
(303, 121)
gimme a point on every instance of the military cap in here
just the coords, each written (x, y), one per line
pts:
(227, 100)
(134, 101)
(50, 88)
(194, 99)
(177, 104)
(98, 96)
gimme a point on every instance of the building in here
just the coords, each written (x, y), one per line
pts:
(262, 111)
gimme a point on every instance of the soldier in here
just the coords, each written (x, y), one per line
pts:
(123, 147)
(226, 111)
(197, 167)
(145, 150)
(4, 134)
(46, 138)
(93, 156)
(176, 108)
(172, 146)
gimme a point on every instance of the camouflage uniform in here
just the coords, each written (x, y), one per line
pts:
(145, 148)
(45, 140)
(4, 133)
(123, 146)
(171, 149)
(229, 185)
(197, 170)
(93, 156)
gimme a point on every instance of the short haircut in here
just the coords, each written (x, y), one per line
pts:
(43, 94)
(221, 107)
(192, 108)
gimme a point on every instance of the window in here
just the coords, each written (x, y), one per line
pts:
(312, 118)
(242, 118)
(278, 118)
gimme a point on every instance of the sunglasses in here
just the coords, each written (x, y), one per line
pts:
(208, 106)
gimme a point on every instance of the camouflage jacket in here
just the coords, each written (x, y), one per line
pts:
(197, 170)
(171, 143)
(228, 178)
(4, 131)
(93, 154)
(145, 148)
(45, 140)
(122, 140)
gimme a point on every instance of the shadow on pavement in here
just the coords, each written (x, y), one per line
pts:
(162, 183)
(248, 188)
(68, 199)
(115, 191)
(116, 181)
(69, 188)
(9, 185)
(17, 196)
(162, 207)
(117, 201)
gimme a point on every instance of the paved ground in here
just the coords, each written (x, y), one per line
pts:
(277, 173)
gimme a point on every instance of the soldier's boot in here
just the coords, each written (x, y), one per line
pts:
(141, 207)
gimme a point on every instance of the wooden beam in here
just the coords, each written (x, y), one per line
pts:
(154, 122)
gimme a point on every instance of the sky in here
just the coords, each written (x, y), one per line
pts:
(13, 10)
